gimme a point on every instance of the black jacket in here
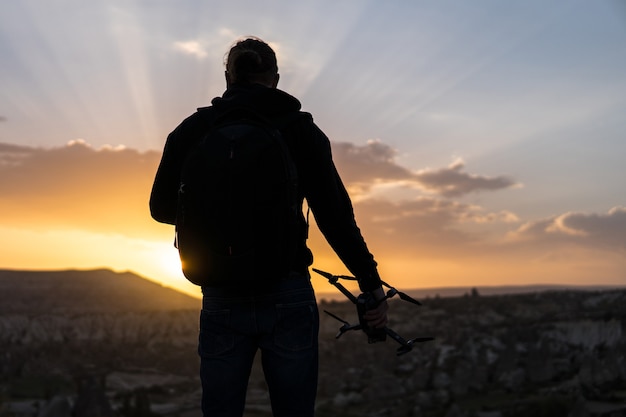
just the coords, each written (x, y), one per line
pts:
(318, 179)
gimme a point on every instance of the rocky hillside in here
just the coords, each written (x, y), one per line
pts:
(551, 353)
(543, 354)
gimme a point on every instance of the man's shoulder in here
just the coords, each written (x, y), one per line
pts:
(196, 120)
(294, 119)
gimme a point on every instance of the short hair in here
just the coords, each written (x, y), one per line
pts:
(251, 60)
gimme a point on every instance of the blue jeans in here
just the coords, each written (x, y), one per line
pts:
(283, 322)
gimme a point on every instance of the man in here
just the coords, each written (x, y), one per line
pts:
(268, 311)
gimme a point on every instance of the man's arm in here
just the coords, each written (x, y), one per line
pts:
(164, 195)
(333, 211)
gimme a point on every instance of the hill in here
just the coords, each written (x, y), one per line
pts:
(85, 291)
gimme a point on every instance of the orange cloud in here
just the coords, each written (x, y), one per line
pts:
(77, 187)
(364, 166)
(580, 229)
(105, 192)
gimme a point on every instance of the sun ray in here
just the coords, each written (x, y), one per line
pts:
(133, 49)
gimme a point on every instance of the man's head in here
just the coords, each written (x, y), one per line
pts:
(251, 61)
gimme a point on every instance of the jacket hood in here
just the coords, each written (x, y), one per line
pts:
(264, 100)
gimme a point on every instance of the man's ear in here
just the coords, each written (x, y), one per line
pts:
(275, 82)
(227, 77)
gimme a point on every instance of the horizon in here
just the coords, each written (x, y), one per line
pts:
(333, 295)
(482, 144)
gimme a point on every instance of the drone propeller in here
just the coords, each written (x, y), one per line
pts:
(403, 296)
(421, 339)
(407, 345)
(346, 325)
(336, 317)
(408, 298)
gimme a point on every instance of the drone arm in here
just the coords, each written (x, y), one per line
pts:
(334, 280)
(395, 336)
(344, 291)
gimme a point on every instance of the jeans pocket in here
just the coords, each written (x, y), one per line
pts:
(296, 325)
(216, 335)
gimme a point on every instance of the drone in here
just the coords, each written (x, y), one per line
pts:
(365, 302)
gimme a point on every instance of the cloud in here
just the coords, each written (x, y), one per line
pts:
(192, 47)
(452, 182)
(107, 190)
(76, 187)
(584, 229)
(428, 226)
(364, 166)
(212, 44)
(3, 119)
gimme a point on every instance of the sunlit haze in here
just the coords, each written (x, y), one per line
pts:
(482, 142)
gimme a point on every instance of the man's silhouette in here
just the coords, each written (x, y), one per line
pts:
(276, 313)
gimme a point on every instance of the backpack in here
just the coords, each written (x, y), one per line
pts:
(237, 214)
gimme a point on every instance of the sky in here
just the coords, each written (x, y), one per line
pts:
(482, 142)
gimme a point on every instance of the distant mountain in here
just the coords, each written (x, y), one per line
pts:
(507, 289)
(422, 293)
(85, 291)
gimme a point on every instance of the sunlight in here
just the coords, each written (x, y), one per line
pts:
(526, 91)
(131, 45)
(303, 59)
(167, 260)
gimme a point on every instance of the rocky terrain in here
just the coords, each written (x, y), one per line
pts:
(99, 343)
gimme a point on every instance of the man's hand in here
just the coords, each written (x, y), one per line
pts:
(377, 318)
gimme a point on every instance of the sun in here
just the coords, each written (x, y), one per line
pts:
(168, 271)
(159, 261)
(169, 261)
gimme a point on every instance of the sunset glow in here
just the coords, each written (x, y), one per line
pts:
(483, 143)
